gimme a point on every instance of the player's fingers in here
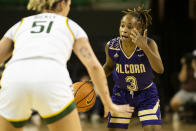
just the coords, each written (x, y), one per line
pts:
(105, 114)
(90, 81)
(127, 108)
(145, 32)
(106, 111)
(137, 32)
(133, 38)
(133, 33)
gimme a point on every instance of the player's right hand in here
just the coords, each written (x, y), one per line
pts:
(117, 108)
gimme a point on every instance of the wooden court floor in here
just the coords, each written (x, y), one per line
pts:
(89, 126)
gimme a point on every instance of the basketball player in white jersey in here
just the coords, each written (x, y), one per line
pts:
(36, 76)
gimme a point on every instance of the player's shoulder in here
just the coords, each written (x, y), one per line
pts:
(115, 40)
(73, 24)
(114, 44)
(70, 20)
(151, 42)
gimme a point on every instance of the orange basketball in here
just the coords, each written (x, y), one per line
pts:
(85, 95)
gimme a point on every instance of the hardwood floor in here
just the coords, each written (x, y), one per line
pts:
(88, 126)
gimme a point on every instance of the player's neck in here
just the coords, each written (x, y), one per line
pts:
(128, 48)
(128, 45)
(62, 13)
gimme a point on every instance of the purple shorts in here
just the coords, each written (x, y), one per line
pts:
(146, 103)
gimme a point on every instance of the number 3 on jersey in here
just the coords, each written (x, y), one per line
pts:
(40, 26)
(133, 83)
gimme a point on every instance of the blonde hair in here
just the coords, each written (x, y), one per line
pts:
(40, 5)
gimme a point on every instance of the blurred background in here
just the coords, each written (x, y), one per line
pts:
(173, 28)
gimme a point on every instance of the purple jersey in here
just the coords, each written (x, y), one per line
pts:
(133, 85)
(134, 72)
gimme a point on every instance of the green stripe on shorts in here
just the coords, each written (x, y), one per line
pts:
(65, 112)
(18, 124)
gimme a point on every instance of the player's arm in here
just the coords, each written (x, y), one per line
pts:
(154, 58)
(6, 43)
(6, 48)
(109, 64)
(150, 48)
(86, 55)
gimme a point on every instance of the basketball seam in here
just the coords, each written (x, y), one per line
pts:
(85, 96)
(87, 105)
(80, 87)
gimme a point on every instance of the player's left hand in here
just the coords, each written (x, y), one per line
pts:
(138, 39)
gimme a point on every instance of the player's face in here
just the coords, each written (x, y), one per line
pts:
(128, 23)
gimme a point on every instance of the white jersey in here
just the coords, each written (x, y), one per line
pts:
(45, 35)
(36, 77)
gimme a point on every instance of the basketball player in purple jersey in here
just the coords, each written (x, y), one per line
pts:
(132, 58)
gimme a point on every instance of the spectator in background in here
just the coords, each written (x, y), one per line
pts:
(187, 91)
(194, 63)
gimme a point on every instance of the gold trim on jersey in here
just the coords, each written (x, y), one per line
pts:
(70, 29)
(149, 117)
(116, 114)
(149, 111)
(51, 115)
(119, 120)
(18, 29)
(148, 86)
(111, 48)
(124, 52)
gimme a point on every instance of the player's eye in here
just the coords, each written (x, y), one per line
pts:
(122, 25)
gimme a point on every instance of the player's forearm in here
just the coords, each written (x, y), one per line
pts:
(99, 80)
(155, 61)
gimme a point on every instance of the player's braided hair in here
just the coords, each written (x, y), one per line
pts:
(40, 5)
(141, 14)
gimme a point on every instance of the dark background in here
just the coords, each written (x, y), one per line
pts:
(174, 32)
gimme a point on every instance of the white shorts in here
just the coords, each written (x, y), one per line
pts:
(38, 84)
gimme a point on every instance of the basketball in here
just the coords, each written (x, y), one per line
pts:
(85, 95)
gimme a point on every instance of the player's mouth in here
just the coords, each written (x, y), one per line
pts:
(124, 37)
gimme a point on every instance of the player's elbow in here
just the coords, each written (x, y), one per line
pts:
(160, 70)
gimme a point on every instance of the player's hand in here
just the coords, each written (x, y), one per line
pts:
(138, 39)
(90, 81)
(117, 108)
